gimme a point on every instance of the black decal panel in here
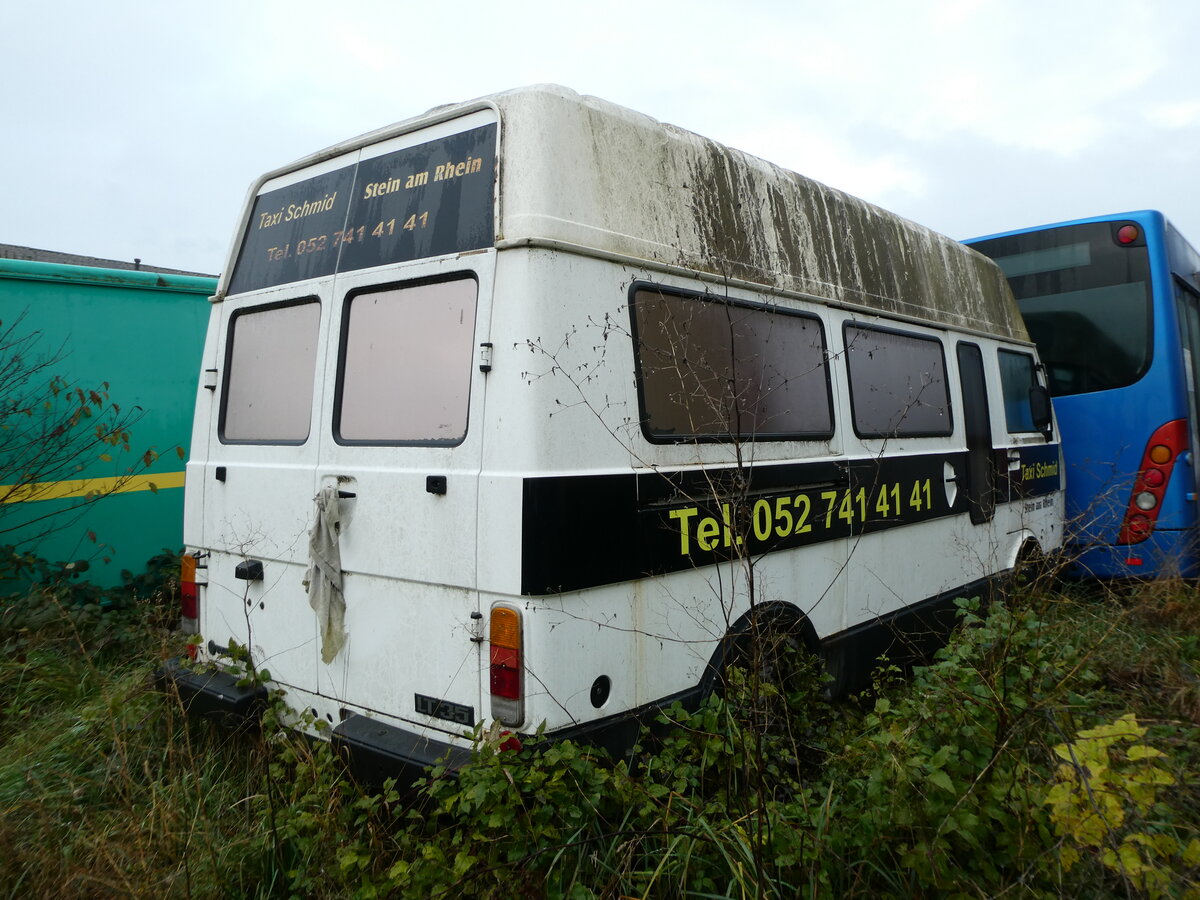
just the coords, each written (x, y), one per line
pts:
(421, 201)
(1038, 473)
(585, 531)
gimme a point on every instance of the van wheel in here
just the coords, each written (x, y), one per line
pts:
(771, 674)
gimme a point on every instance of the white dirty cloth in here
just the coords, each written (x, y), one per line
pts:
(325, 574)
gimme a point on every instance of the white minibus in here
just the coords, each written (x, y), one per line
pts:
(523, 411)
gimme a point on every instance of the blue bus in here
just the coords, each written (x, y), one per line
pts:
(1113, 303)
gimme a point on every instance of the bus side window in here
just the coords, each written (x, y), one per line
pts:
(1189, 334)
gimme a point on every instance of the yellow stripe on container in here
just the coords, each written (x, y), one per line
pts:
(84, 487)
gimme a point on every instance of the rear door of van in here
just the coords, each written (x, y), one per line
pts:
(402, 452)
(250, 493)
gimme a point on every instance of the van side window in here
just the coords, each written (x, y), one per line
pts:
(897, 383)
(406, 361)
(270, 363)
(1017, 377)
(709, 369)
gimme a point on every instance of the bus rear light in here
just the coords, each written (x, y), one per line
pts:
(1145, 501)
(1138, 527)
(1127, 234)
(1160, 454)
(507, 668)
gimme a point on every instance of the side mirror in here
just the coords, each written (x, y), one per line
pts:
(1039, 407)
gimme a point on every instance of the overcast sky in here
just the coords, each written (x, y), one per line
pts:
(133, 129)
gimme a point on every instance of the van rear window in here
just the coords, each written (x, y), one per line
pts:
(897, 383)
(270, 362)
(711, 369)
(405, 374)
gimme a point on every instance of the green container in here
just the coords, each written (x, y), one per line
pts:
(142, 333)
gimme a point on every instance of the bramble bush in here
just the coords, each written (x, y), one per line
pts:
(935, 786)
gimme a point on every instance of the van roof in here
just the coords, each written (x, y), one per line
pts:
(673, 198)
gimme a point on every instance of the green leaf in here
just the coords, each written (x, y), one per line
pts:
(942, 780)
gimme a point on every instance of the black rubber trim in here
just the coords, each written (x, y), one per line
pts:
(212, 693)
(375, 751)
(907, 636)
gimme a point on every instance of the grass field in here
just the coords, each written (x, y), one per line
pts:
(1051, 750)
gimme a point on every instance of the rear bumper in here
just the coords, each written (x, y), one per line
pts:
(213, 694)
(1165, 553)
(373, 750)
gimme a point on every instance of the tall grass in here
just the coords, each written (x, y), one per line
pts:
(935, 784)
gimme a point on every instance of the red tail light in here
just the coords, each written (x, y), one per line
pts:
(507, 670)
(189, 592)
(1145, 503)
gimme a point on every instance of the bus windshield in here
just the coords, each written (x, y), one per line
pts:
(1085, 298)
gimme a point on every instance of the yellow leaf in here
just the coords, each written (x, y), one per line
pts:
(1124, 728)
(1131, 860)
(1069, 856)
(1191, 856)
(1143, 751)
